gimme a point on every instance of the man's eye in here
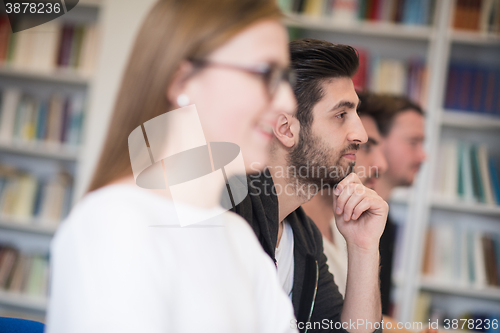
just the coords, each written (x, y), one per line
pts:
(342, 115)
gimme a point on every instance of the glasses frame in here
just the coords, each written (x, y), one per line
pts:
(272, 74)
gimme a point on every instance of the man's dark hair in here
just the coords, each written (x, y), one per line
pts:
(316, 61)
(384, 108)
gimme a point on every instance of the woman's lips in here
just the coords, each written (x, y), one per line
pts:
(266, 130)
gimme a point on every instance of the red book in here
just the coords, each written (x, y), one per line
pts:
(65, 46)
(5, 32)
(359, 79)
(374, 10)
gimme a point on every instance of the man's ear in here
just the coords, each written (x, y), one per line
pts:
(178, 84)
(287, 130)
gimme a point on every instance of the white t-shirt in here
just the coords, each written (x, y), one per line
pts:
(284, 259)
(122, 263)
(336, 255)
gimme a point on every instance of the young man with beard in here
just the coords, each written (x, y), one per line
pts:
(370, 163)
(313, 149)
(376, 111)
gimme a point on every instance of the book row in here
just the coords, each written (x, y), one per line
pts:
(474, 88)
(26, 199)
(410, 12)
(49, 46)
(467, 173)
(23, 273)
(477, 15)
(55, 121)
(461, 257)
(427, 312)
(392, 76)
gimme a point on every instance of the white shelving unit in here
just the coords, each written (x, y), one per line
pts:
(32, 234)
(437, 43)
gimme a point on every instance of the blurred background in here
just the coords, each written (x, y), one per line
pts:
(58, 83)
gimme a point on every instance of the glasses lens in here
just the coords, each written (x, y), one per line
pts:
(276, 75)
(291, 77)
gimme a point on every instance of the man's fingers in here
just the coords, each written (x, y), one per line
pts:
(351, 178)
(352, 202)
(361, 207)
(346, 193)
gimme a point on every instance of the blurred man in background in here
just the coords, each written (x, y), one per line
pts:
(402, 126)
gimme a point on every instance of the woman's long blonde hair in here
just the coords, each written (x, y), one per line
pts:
(173, 31)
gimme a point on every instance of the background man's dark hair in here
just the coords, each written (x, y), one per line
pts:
(316, 61)
(384, 108)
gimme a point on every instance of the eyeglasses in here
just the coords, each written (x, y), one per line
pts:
(272, 74)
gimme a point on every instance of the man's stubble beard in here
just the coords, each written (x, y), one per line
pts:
(312, 153)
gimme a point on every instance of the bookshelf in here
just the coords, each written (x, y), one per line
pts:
(439, 44)
(40, 158)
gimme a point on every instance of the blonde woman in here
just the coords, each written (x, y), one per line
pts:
(112, 270)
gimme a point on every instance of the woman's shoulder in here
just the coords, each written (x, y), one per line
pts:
(117, 207)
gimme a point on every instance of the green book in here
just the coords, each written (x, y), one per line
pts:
(477, 182)
(460, 182)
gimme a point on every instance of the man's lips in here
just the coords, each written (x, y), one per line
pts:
(350, 156)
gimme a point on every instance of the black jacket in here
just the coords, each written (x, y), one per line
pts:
(315, 296)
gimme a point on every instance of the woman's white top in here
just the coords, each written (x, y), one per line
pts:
(122, 263)
(336, 255)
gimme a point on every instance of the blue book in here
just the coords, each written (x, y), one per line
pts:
(38, 198)
(496, 108)
(488, 92)
(470, 257)
(411, 12)
(425, 12)
(41, 127)
(460, 87)
(479, 82)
